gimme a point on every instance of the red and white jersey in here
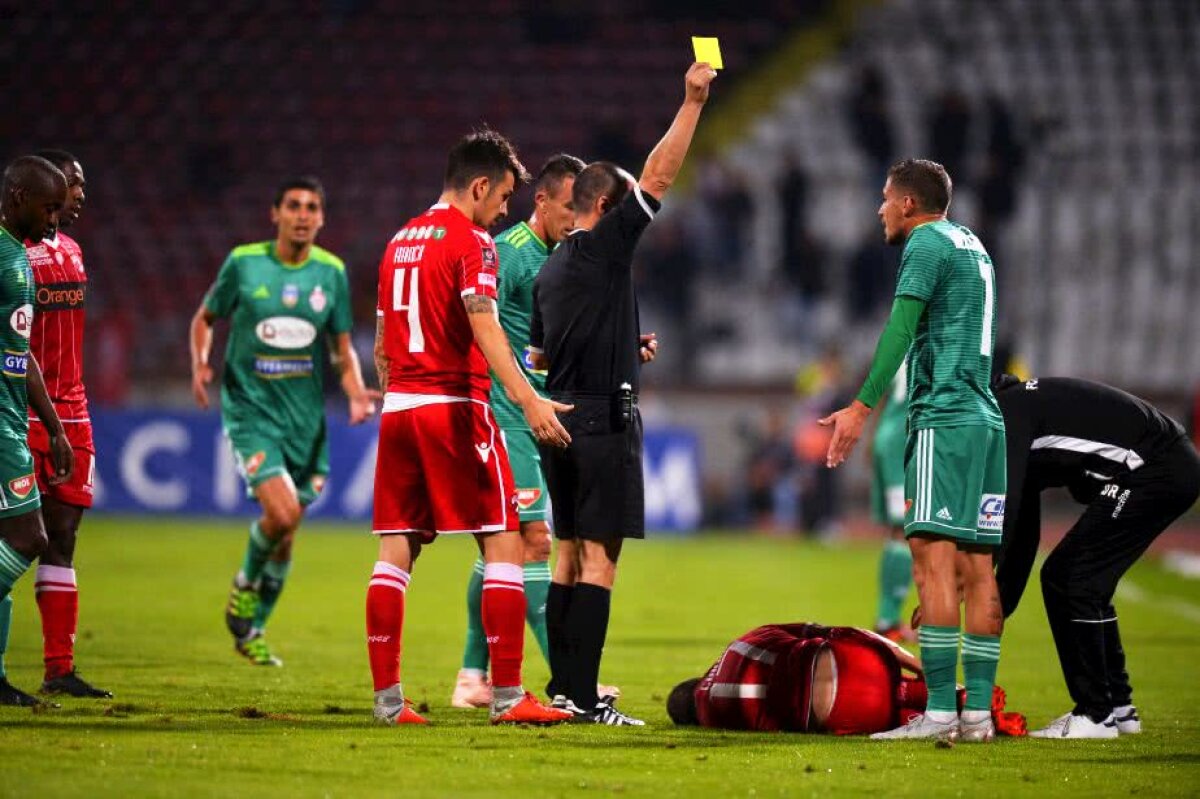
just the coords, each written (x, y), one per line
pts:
(57, 337)
(433, 262)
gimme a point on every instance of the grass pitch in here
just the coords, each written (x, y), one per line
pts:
(192, 719)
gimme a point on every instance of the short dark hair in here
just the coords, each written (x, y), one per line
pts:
(556, 169)
(681, 704)
(927, 181)
(599, 179)
(59, 158)
(31, 172)
(306, 182)
(483, 154)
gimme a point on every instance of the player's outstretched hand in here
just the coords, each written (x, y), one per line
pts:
(699, 76)
(847, 428)
(63, 458)
(202, 375)
(542, 415)
(362, 406)
(648, 347)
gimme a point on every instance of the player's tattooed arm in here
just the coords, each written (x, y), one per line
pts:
(381, 359)
(477, 303)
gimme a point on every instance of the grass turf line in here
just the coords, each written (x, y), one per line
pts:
(192, 719)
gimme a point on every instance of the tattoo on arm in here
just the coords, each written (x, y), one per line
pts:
(381, 360)
(477, 303)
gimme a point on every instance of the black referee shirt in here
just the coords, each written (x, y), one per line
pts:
(585, 313)
(1062, 431)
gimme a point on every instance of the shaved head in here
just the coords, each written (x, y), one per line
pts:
(33, 196)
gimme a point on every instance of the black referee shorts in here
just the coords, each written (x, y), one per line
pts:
(596, 483)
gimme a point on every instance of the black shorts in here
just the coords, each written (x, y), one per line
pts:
(595, 484)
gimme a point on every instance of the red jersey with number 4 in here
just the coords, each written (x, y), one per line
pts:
(57, 337)
(433, 262)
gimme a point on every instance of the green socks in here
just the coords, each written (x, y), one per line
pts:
(270, 586)
(980, 656)
(258, 550)
(537, 589)
(475, 655)
(5, 620)
(895, 577)
(939, 659)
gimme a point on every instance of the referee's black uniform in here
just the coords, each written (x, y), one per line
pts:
(585, 321)
(1135, 470)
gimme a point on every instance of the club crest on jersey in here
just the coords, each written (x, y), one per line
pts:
(254, 463)
(528, 497)
(22, 320)
(317, 300)
(21, 487)
(16, 364)
(290, 296)
(991, 512)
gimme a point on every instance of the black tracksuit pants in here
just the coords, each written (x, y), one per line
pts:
(1081, 574)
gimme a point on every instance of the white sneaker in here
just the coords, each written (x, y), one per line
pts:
(976, 732)
(1128, 722)
(1069, 725)
(471, 689)
(921, 727)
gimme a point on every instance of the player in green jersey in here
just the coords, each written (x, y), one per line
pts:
(34, 193)
(522, 249)
(282, 299)
(954, 484)
(887, 507)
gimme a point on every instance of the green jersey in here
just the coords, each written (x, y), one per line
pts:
(277, 314)
(950, 363)
(16, 322)
(895, 411)
(521, 255)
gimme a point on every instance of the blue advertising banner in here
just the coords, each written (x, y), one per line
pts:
(162, 462)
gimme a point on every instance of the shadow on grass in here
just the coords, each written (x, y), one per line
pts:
(1169, 759)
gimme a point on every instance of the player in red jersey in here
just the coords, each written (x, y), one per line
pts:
(57, 343)
(442, 466)
(812, 678)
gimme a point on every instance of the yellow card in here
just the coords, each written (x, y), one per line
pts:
(708, 50)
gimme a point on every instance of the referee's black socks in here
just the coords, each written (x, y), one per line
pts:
(558, 602)
(587, 627)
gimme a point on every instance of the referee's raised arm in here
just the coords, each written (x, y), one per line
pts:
(664, 161)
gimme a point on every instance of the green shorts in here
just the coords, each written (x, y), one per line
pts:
(887, 475)
(527, 474)
(261, 456)
(955, 482)
(18, 484)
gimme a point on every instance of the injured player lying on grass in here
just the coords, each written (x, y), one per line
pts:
(811, 678)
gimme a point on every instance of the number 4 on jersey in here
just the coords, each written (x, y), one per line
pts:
(416, 337)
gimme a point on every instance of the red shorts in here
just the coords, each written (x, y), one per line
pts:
(78, 490)
(868, 675)
(442, 468)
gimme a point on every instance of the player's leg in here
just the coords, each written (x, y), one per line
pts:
(983, 619)
(58, 598)
(562, 482)
(471, 686)
(895, 563)
(22, 541)
(386, 593)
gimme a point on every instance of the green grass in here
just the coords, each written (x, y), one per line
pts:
(151, 630)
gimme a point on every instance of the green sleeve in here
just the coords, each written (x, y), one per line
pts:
(920, 266)
(342, 318)
(223, 296)
(893, 345)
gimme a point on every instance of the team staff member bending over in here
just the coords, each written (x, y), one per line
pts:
(585, 333)
(1135, 470)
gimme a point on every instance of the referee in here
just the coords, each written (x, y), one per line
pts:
(1135, 470)
(585, 334)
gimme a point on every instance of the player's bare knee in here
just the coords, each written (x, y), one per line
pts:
(60, 547)
(537, 542)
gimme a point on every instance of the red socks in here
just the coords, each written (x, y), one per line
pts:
(385, 620)
(504, 621)
(58, 601)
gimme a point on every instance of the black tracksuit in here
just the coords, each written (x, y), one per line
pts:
(1134, 469)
